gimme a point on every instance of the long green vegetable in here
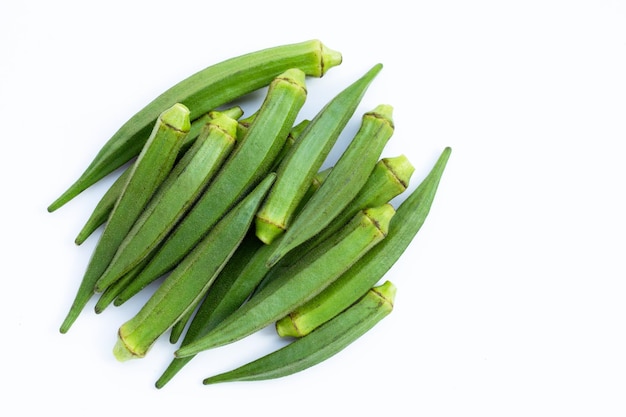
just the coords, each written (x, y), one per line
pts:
(205, 90)
(325, 342)
(152, 167)
(407, 221)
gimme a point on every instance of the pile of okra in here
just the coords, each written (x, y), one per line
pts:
(233, 219)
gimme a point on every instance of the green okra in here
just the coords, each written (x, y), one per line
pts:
(205, 90)
(407, 221)
(180, 190)
(307, 156)
(325, 342)
(151, 168)
(389, 178)
(133, 287)
(345, 181)
(301, 282)
(112, 291)
(103, 209)
(230, 290)
(190, 280)
(248, 163)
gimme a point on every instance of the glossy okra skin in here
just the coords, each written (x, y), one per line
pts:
(248, 163)
(328, 340)
(301, 282)
(180, 190)
(104, 207)
(230, 290)
(205, 90)
(406, 223)
(307, 156)
(349, 175)
(190, 280)
(150, 170)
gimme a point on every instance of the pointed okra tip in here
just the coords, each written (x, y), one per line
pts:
(177, 117)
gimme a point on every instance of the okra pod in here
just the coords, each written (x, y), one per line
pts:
(149, 171)
(190, 280)
(230, 290)
(104, 207)
(188, 179)
(248, 163)
(406, 223)
(389, 178)
(205, 90)
(345, 181)
(301, 282)
(328, 340)
(307, 156)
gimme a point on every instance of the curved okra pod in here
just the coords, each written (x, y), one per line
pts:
(307, 156)
(249, 162)
(190, 280)
(325, 342)
(205, 90)
(178, 193)
(151, 168)
(230, 290)
(345, 181)
(301, 282)
(407, 221)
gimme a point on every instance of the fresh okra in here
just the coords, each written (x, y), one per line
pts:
(301, 282)
(345, 181)
(149, 171)
(248, 163)
(190, 280)
(187, 180)
(205, 90)
(230, 290)
(307, 156)
(407, 221)
(389, 178)
(325, 342)
(104, 207)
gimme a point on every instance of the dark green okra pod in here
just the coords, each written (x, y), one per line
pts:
(407, 221)
(248, 163)
(325, 342)
(190, 280)
(180, 190)
(301, 282)
(230, 290)
(307, 156)
(343, 184)
(205, 90)
(152, 167)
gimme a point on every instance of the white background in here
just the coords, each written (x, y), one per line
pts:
(511, 299)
